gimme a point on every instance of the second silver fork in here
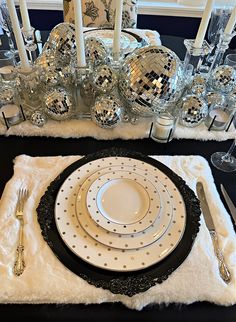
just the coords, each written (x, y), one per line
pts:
(19, 265)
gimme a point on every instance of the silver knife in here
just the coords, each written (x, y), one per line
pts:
(224, 272)
(229, 202)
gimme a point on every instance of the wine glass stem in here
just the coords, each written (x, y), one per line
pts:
(10, 42)
(227, 156)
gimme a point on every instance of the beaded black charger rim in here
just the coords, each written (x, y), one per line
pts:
(129, 283)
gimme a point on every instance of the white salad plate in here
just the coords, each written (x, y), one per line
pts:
(96, 253)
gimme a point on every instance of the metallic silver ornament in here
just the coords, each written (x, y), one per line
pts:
(198, 79)
(95, 51)
(103, 79)
(223, 78)
(149, 77)
(107, 112)
(193, 111)
(50, 77)
(7, 95)
(62, 41)
(38, 119)
(46, 59)
(215, 98)
(59, 104)
(199, 90)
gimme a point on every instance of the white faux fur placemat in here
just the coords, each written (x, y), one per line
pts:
(46, 280)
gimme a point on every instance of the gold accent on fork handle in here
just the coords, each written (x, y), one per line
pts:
(19, 265)
(224, 272)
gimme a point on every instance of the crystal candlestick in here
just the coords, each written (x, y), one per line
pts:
(84, 97)
(222, 46)
(30, 43)
(195, 56)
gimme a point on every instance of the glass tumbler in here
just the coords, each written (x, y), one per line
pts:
(163, 128)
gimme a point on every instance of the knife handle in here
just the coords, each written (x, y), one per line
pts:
(224, 272)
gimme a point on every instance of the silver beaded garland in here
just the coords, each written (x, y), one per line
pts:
(38, 119)
(223, 79)
(193, 111)
(59, 104)
(149, 77)
(103, 79)
(107, 112)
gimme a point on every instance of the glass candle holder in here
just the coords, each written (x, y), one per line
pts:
(219, 118)
(163, 128)
(30, 43)
(30, 89)
(195, 56)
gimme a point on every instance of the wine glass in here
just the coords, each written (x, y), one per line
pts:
(225, 161)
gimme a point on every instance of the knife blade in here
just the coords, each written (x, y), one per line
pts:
(223, 270)
(229, 202)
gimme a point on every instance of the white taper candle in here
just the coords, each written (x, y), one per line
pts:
(79, 34)
(204, 24)
(118, 26)
(231, 23)
(24, 15)
(25, 65)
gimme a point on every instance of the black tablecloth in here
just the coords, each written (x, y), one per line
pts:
(10, 147)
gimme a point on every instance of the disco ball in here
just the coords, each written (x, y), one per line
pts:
(95, 51)
(62, 41)
(107, 112)
(38, 119)
(46, 59)
(150, 77)
(103, 79)
(198, 79)
(215, 98)
(59, 104)
(199, 90)
(193, 111)
(223, 79)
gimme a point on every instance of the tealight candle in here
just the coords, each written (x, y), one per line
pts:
(217, 119)
(204, 24)
(7, 73)
(163, 128)
(12, 113)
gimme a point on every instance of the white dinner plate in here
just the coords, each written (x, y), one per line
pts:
(98, 254)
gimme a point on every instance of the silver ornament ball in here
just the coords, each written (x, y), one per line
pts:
(199, 90)
(223, 78)
(95, 51)
(149, 77)
(198, 79)
(215, 98)
(103, 79)
(59, 104)
(193, 111)
(107, 112)
(38, 119)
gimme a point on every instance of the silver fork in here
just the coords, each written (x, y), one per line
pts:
(19, 265)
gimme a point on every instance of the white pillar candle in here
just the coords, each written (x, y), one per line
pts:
(118, 25)
(79, 36)
(231, 23)
(25, 65)
(204, 24)
(24, 15)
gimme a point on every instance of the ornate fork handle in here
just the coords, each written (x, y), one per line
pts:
(224, 272)
(19, 265)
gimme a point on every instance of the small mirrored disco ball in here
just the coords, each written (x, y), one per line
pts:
(95, 51)
(149, 77)
(223, 79)
(103, 79)
(38, 119)
(62, 41)
(193, 111)
(215, 98)
(107, 112)
(59, 104)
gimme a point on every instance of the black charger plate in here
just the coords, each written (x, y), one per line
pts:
(129, 283)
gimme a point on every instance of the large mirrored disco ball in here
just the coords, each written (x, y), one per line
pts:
(103, 79)
(95, 51)
(149, 77)
(62, 41)
(107, 112)
(58, 104)
(223, 78)
(193, 111)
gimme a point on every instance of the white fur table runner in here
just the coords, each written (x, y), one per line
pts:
(47, 280)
